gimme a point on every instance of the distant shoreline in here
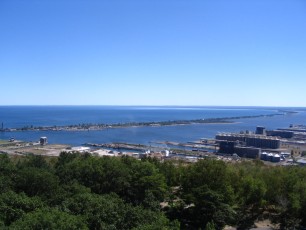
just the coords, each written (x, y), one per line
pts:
(97, 127)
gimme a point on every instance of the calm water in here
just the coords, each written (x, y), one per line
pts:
(19, 116)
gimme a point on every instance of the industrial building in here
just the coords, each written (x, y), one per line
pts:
(232, 147)
(227, 147)
(260, 130)
(263, 142)
(280, 133)
(43, 140)
(231, 137)
(270, 157)
(246, 144)
(249, 140)
(267, 145)
(248, 152)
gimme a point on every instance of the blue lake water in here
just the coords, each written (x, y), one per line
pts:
(19, 116)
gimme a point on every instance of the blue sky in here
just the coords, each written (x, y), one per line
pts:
(157, 52)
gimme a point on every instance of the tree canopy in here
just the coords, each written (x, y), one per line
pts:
(80, 191)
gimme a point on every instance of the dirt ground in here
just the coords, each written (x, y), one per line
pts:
(260, 225)
(23, 148)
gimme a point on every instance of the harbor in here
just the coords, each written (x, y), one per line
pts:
(280, 147)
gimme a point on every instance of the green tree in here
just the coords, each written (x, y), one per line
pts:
(6, 165)
(99, 211)
(36, 182)
(35, 161)
(210, 226)
(13, 206)
(51, 219)
(111, 212)
(252, 192)
(6, 183)
(208, 194)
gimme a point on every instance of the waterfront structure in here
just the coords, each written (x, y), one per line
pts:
(260, 130)
(232, 147)
(249, 145)
(271, 157)
(299, 129)
(263, 142)
(43, 141)
(227, 147)
(263, 156)
(248, 152)
(231, 137)
(276, 158)
(280, 133)
(258, 141)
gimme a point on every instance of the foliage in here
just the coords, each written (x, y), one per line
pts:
(128, 178)
(52, 219)
(14, 206)
(206, 189)
(76, 191)
(36, 182)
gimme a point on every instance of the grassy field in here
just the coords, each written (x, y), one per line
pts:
(4, 142)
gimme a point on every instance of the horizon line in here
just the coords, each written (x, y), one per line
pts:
(255, 106)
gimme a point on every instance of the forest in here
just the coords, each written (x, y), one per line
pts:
(81, 191)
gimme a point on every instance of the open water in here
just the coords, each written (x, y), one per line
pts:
(20, 116)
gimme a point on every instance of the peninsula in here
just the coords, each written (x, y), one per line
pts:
(101, 126)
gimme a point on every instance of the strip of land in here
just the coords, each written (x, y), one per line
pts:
(90, 126)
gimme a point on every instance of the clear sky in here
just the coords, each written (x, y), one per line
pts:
(153, 52)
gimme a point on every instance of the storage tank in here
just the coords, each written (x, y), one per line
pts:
(286, 155)
(276, 158)
(270, 157)
(263, 156)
